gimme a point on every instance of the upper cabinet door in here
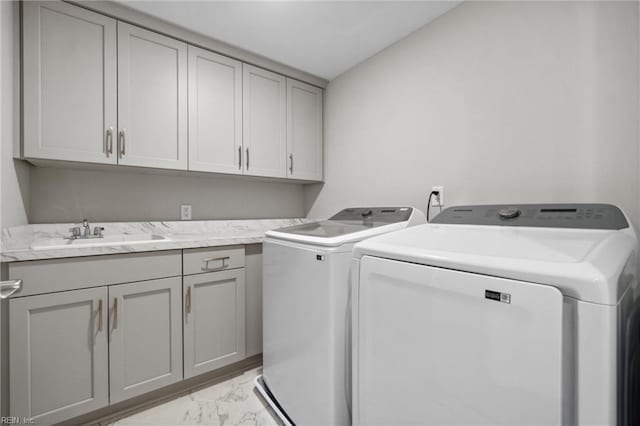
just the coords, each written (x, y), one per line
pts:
(215, 112)
(264, 122)
(304, 130)
(69, 83)
(152, 99)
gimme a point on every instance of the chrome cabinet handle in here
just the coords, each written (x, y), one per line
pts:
(247, 158)
(109, 141)
(115, 313)
(187, 302)
(121, 142)
(239, 158)
(291, 165)
(100, 315)
(7, 288)
(205, 263)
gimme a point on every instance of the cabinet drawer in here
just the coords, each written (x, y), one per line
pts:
(48, 276)
(212, 259)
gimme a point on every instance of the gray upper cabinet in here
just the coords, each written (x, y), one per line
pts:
(304, 130)
(215, 112)
(97, 90)
(152, 99)
(214, 320)
(69, 73)
(58, 354)
(264, 122)
(145, 347)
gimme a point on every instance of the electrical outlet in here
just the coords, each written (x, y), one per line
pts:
(438, 200)
(185, 212)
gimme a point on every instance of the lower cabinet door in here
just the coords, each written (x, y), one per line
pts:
(58, 355)
(214, 320)
(145, 346)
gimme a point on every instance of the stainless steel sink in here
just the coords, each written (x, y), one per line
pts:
(107, 240)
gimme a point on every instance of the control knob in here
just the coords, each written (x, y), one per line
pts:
(508, 213)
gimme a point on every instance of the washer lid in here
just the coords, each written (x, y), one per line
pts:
(348, 225)
(593, 265)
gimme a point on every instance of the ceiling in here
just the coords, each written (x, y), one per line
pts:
(323, 38)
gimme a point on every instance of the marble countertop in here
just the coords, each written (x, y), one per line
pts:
(47, 241)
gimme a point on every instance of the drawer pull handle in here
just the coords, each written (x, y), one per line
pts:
(224, 259)
(7, 288)
(187, 302)
(100, 315)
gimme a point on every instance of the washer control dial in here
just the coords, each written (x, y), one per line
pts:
(509, 213)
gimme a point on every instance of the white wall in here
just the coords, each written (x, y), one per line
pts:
(500, 102)
(63, 195)
(497, 101)
(14, 174)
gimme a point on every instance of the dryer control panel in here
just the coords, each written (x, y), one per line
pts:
(584, 216)
(374, 214)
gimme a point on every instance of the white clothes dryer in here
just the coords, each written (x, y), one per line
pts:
(499, 315)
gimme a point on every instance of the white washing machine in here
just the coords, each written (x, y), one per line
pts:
(305, 312)
(499, 315)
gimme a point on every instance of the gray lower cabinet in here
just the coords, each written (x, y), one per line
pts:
(58, 354)
(214, 320)
(140, 326)
(253, 276)
(145, 336)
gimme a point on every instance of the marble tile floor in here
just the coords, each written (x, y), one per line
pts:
(229, 403)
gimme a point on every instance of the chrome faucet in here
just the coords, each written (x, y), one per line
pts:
(85, 231)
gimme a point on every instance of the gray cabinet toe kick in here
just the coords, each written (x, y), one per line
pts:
(122, 325)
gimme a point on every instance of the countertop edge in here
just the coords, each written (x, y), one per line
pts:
(11, 256)
(17, 244)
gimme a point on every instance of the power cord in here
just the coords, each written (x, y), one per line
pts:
(431, 195)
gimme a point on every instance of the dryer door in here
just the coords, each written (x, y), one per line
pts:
(438, 346)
